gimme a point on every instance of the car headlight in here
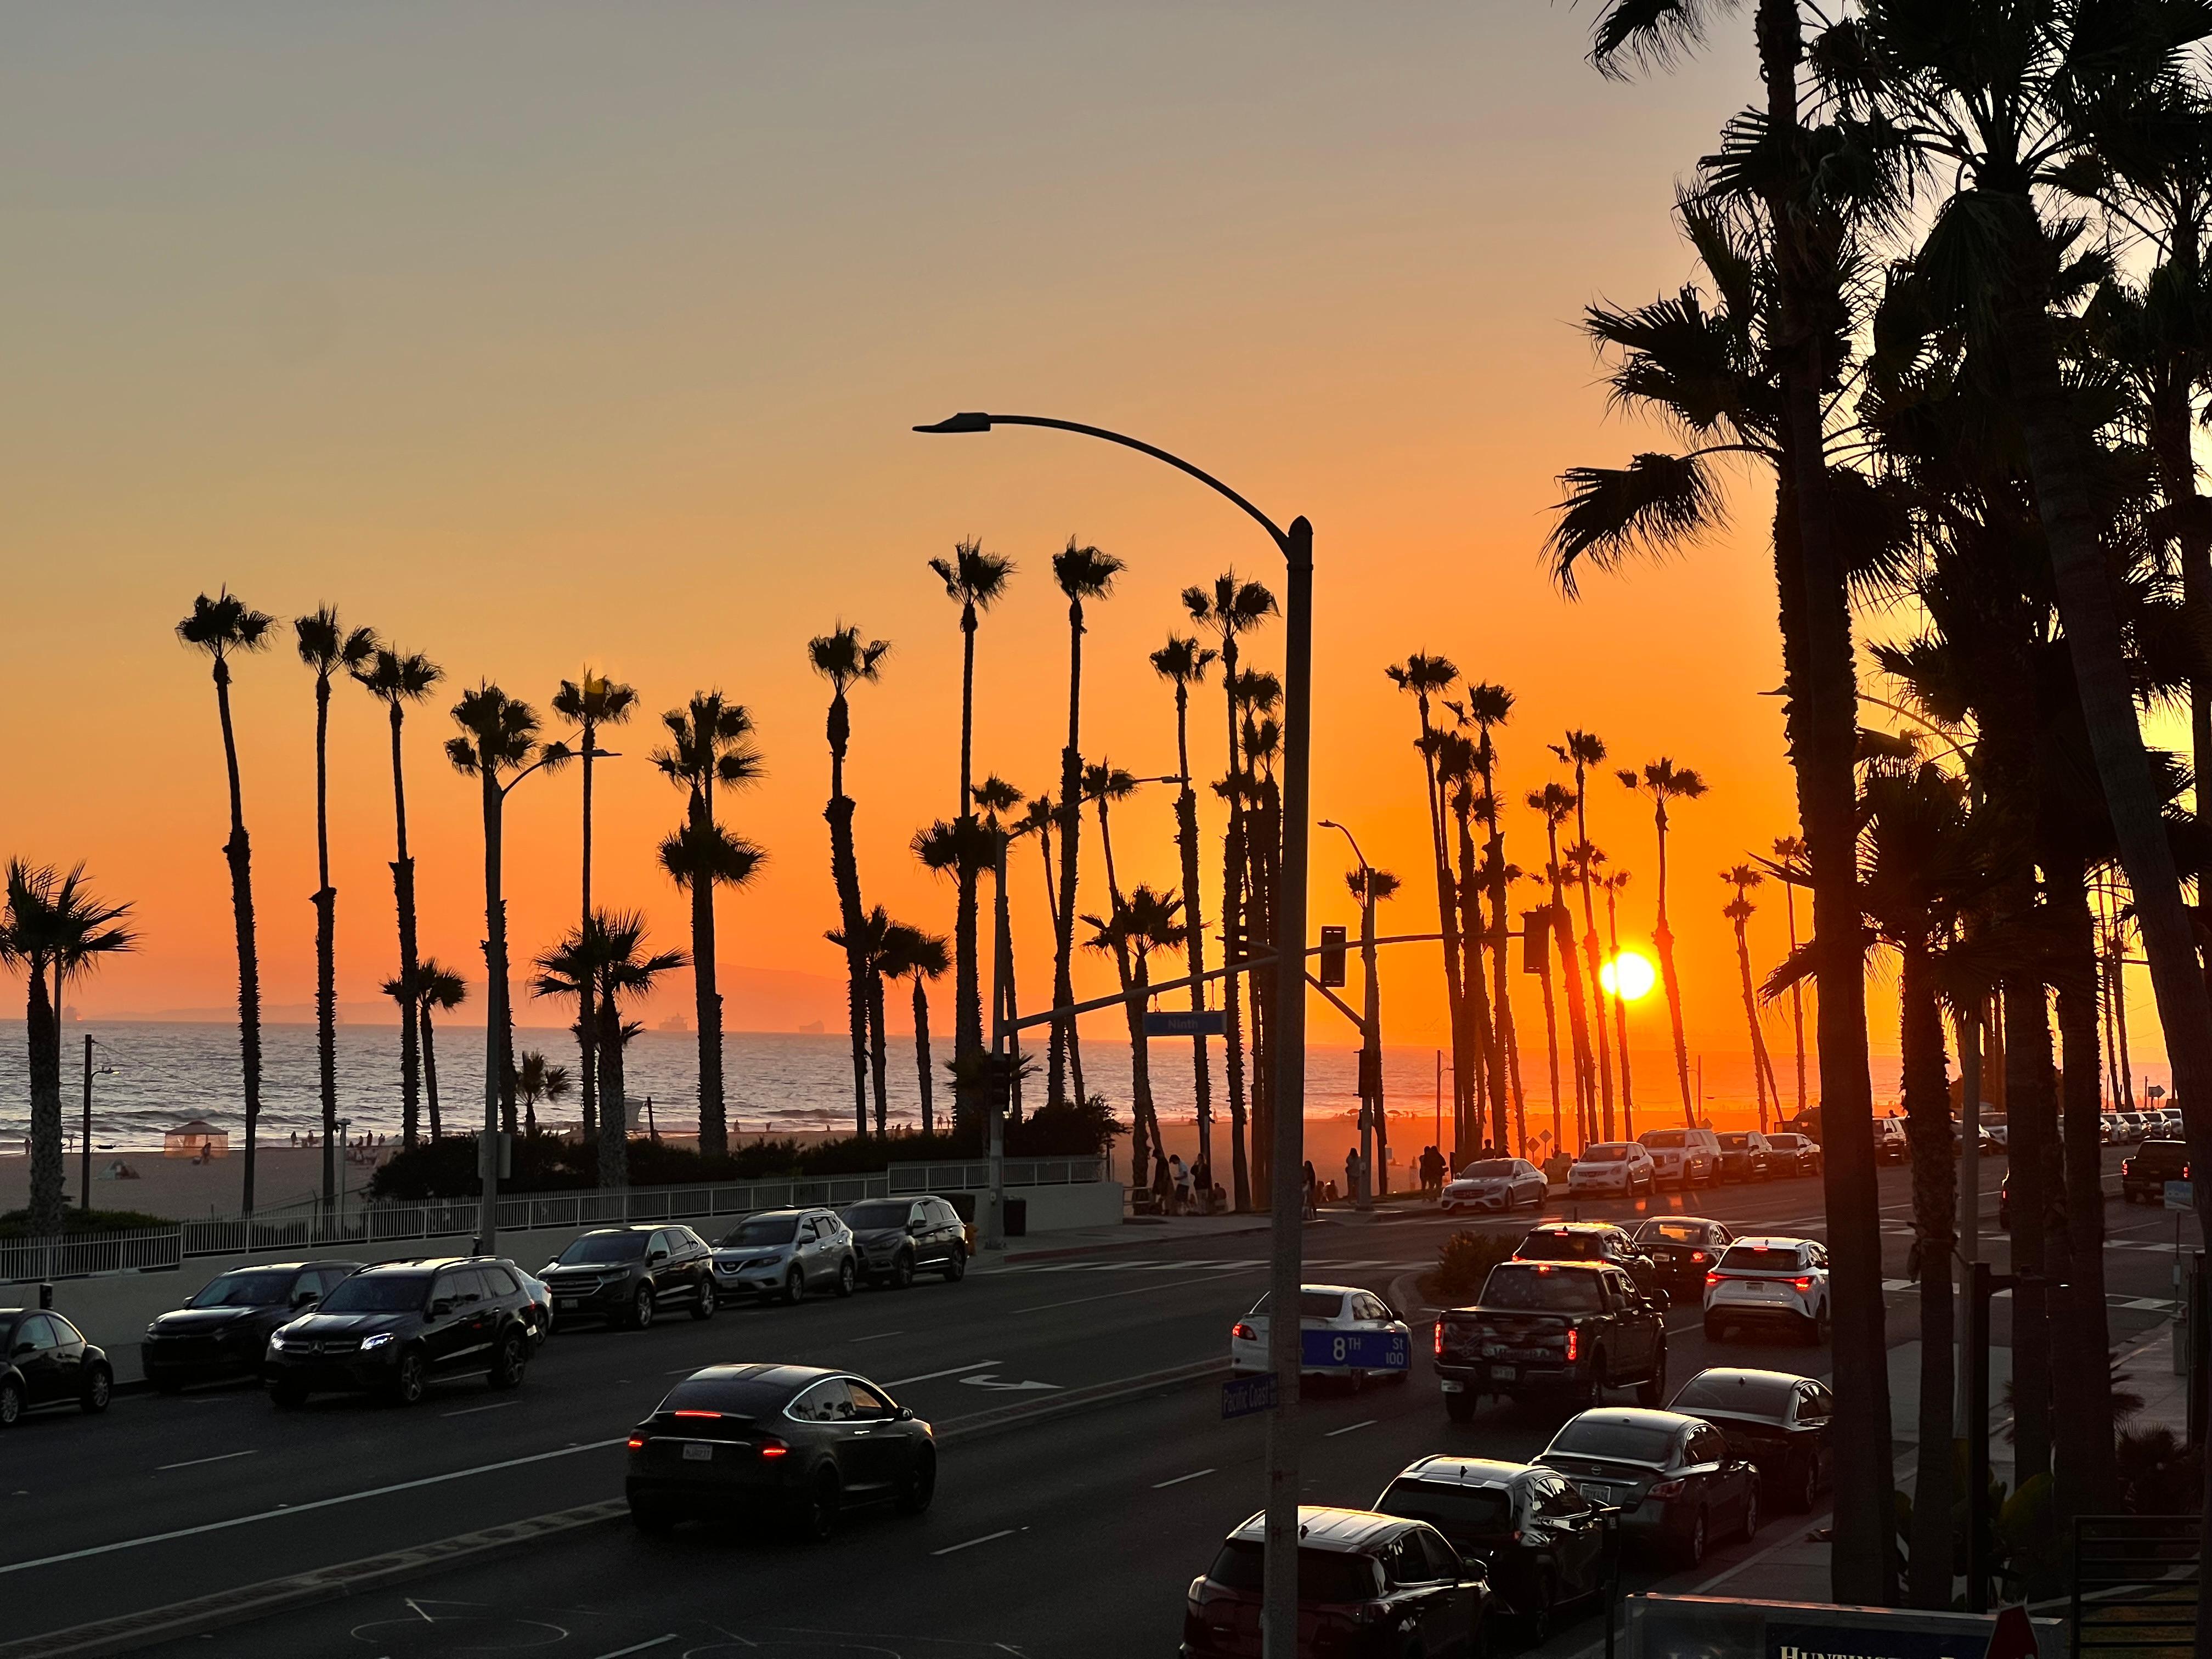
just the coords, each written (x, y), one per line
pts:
(376, 1341)
(153, 1330)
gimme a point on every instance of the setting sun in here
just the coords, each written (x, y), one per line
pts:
(1628, 976)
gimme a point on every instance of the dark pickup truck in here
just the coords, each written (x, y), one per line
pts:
(1561, 1331)
(2143, 1176)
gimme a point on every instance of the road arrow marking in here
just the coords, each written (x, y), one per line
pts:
(988, 1380)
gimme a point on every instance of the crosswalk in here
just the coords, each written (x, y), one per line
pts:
(2128, 1303)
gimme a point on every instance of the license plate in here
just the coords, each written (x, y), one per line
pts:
(566, 1303)
(698, 1451)
(1504, 1373)
(1596, 1492)
(1451, 1386)
(1766, 1290)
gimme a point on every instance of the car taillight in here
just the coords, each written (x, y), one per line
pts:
(1697, 1255)
(1804, 1284)
(773, 1448)
(1712, 1279)
(1574, 1343)
(713, 1414)
(637, 1442)
(1667, 1489)
(1242, 1331)
(1440, 1338)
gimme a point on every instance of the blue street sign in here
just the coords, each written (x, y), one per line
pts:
(1183, 1021)
(2179, 1194)
(1242, 1396)
(1366, 1350)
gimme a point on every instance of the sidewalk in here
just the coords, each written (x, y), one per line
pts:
(1151, 1232)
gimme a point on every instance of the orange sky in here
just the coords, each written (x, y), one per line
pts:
(538, 335)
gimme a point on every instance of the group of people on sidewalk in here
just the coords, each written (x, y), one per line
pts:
(1180, 1188)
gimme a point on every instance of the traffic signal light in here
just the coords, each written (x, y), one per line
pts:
(1331, 956)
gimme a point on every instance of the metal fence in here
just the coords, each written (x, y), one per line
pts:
(2137, 1580)
(156, 1249)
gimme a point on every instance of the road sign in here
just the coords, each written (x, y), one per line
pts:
(1332, 955)
(1366, 1350)
(2179, 1194)
(1183, 1021)
(1242, 1396)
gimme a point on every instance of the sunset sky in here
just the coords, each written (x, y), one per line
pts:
(537, 336)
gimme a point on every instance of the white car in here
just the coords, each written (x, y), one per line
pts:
(1684, 1158)
(1611, 1166)
(1321, 1307)
(1769, 1283)
(1496, 1183)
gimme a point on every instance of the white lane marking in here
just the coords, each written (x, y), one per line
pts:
(1349, 1428)
(1109, 1295)
(288, 1510)
(194, 1462)
(950, 1370)
(471, 1411)
(1162, 1485)
(989, 1380)
(955, 1549)
(639, 1647)
(878, 1336)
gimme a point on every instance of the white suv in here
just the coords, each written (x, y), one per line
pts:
(1769, 1282)
(1611, 1166)
(1684, 1158)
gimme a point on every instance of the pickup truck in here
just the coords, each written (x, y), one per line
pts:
(1563, 1331)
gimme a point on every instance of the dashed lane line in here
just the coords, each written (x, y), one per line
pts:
(1162, 1485)
(988, 1537)
(950, 1370)
(194, 1462)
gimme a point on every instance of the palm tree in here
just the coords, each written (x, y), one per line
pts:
(1789, 864)
(998, 798)
(960, 848)
(871, 946)
(329, 648)
(535, 1080)
(1083, 574)
(1143, 922)
(437, 989)
(710, 747)
(1612, 884)
(1182, 662)
(1232, 608)
(1583, 749)
(1662, 781)
(609, 949)
(223, 628)
(840, 658)
(1555, 802)
(910, 953)
(499, 737)
(1739, 911)
(1458, 764)
(595, 702)
(1424, 678)
(974, 580)
(397, 681)
(1486, 706)
(1385, 885)
(52, 923)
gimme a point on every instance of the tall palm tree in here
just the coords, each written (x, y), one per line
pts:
(1426, 678)
(1232, 608)
(841, 659)
(1084, 575)
(999, 798)
(1458, 764)
(1789, 862)
(396, 681)
(498, 740)
(871, 945)
(1739, 911)
(590, 703)
(1660, 783)
(1612, 884)
(910, 953)
(1486, 706)
(223, 628)
(609, 948)
(535, 1080)
(1141, 923)
(329, 648)
(710, 747)
(52, 923)
(961, 849)
(1555, 803)
(1581, 750)
(1182, 662)
(974, 580)
(437, 990)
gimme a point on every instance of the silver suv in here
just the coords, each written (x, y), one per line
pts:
(785, 1253)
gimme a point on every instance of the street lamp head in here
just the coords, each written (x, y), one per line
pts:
(967, 421)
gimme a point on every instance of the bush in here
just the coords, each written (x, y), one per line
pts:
(1462, 1265)
(17, 1224)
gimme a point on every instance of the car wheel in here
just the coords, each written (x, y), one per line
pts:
(1651, 1393)
(98, 1391)
(508, 1362)
(1460, 1407)
(703, 1305)
(846, 1277)
(642, 1308)
(1536, 1623)
(1822, 1330)
(1751, 1511)
(817, 1505)
(1590, 1394)
(956, 1265)
(902, 1270)
(11, 1403)
(795, 1287)
(1694, 1546)
(652, 1517)
(1804, 1476)
(920, 1485)
(412, 1382)
(290, 1396)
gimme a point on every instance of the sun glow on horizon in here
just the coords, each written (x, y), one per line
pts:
(1628, 976)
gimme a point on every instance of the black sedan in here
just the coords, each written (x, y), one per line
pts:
(1793, 1154)
(1673, 1478)
(1682, 1249)
(1745, 1156)
(45, 1361)
(1777, 1421)
(792, 1446)
(1542, 1541)
(222, 1330)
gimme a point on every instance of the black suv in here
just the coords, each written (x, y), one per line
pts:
(224, 1329)
(1588, 1241)
(626, 1275)
(898, 1236)
(2143, 1175)
(396, 1327)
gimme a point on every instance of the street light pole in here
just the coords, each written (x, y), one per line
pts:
(1373, 1141)
(1279, 1585)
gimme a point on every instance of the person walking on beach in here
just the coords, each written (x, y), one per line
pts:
(1179, 1174)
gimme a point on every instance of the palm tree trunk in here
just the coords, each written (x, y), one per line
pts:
(402, 893)
(1751, 1019)
(1448, 929)
(497, 1059)
(1796, 995)
(43, 1037)
(1487, 1049)
(845, 872)
(1141, 1109)
(430, 1069)
(2120, 1023)
(706, 985)
(587, 1019)
(2031, 1121)
(1577, 1020)
(1500, 996)
(878, 1056)
(922, 1079)
(326, 970)
(1662, 941)
(1928, 1114)
(1194, 915)
(2088, 1484)
(614, 1099)
(1593, 959)
(967, 969)
(1232, 950)
(240, 856)
(1071, 835)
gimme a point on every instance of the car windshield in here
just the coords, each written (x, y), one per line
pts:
(1482, 1511)
(1560, 1247)
(1672, 1233)
(243, 1290)
(1612, 1153)
(868, 1218)
(1666, 1137)
(1595, 1435)
(1736, 1142)
(1735, 1391)
(594, 1250)
(1324, 1575)
(1489, 1169)
(1312, 1304)
(763, 1230)
(379, 1293)
(1760, 1259)
(738, 1396)
(1544, 1289)
(1787, 1143)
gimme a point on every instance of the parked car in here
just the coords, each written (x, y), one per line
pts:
(1682, 1249)
(1763, 1283)
(1563, 1331)
(540, 1316)
(1321, 1307)
(2144, 1173)
(1587, 1241)
(1683, 1158)
(629, 1275)
(396, 1327)
(1541, 1542)
(1611, 1166)
(896, 1237)
(1675, 1482)
(1890, 1144)
(1745, 1156)
(787, 1253)
(1996, 1130)
(1496, 1183)
(1791, 1154)
(1370, 1586)
(1777, 1421)
(792, 1445)
(45, 1361)
(222, 1330)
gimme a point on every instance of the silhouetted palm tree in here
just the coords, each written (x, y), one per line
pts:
(1556, 803)
(1581, 750)
(959, 848)
(1141, 923)
(438, 990)
(1662, 781)
(595, 702)
(710, 747)
(535, 1080)
(223, 628)
(870, 944)
(1083, 574)
(1790, 859)
(1612, 885)
(610, 949)
(52, 923)
(1486, 706)
(1426, 678)
(1739, 911)
(330, 648)
(909, 953)
(1458, 766)
(998, 798)
(840, 658)
(1182, 662)
(397, 681)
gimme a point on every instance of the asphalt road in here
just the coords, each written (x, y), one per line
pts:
(1073, 1536)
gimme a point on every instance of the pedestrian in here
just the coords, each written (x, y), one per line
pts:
(1310, 1185)
(1179, 1175)
(1351, 1188)
(1163, 1189)
(1201, 1176)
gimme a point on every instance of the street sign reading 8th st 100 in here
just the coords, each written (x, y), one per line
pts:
(1366, 1351)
